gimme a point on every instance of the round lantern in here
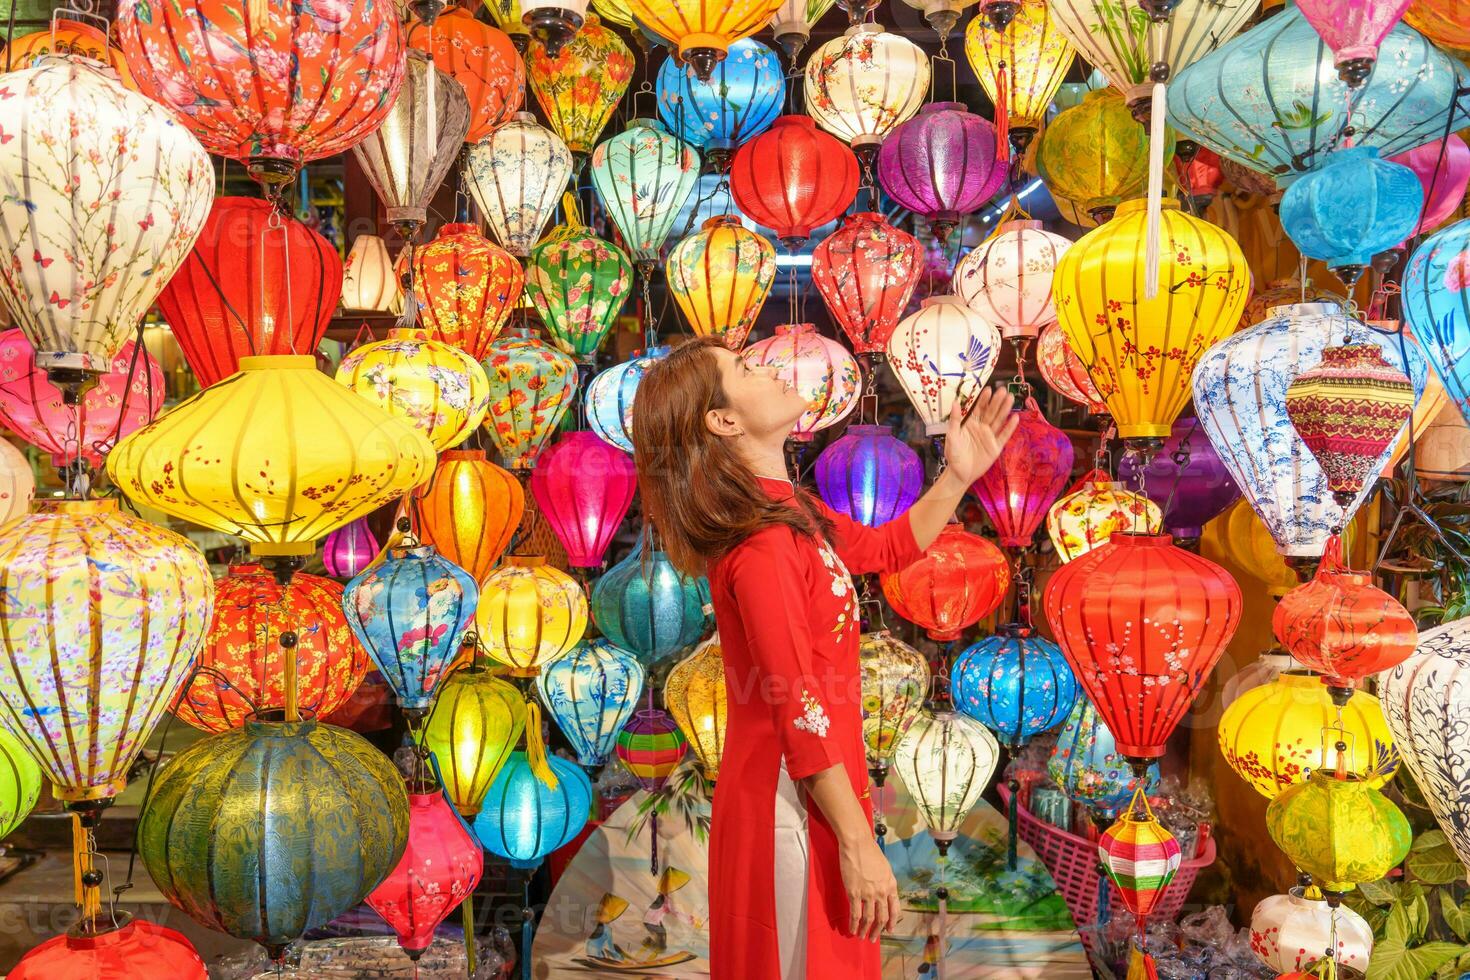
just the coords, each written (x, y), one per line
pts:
(643, 177)
(591, 692)
(961, 578)
(1186, 479)
(946, 761)
(1339, 830)
(440, 867)
(694, 694)
(299, 802)
(65, 36)
(476, 721)
(1140, 857)
(720, 276)
(531, 389)
(530, 614)
(1016, 683)
(133, 948)
(17, 483)
(1168, 614)
(651, 747)
(1087, 766)
(470, 510)
(409, 612)
(793, 178)
(349, 549)
(580, 85)
(523, 819)
(1253, 549)
(1064, 372)
(868, 475)
(866, 271)
(792, 24)
(1021, 65)
(648, 606)
(819, 369)
(1025, 478)
(243, 664)
(1095, 154)
(942, 355)
(942, 164)
(466, 287)
(482, 60)
(20, 782)
(369, 281)
(437, 388)
(703, 33)
(516, 176)
(609, 403)
(578, 284)
(1097, 509)
(1389, 199)
(859, 86)
(740, 100)
(257, 282)
(1007, 278)
(114, 605)
(1296, 930)
(895, 682)
(1443, 169)
(584, 487)
(1199, 177)
(1353, 31)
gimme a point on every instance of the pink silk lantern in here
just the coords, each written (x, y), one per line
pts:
(1353, 29)
(33, 407)
(1027, 477)
(1064, 370)
(583, 487)
(1443, 170)
(350, 549)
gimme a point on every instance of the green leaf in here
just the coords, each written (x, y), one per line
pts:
(1457, 918)
(1393, 960)
(1432, 860)
(1380, 892)
(1399, 927)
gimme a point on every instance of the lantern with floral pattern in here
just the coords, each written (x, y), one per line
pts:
(863, 83)
(819, 369)
(531, 388)
(578, 284)
(437, 388)
(580, 86)
(866, 271)
(720, 276)
(482, 60)
(942, 355)
(466, 287)
(1020, 65)
(516, 175)
(1023, 482)
(1007, 278)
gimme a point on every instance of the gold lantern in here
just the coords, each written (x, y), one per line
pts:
(442, 391)
(1095, 155)
(1254, 550)
(1020, 67)
(703, 32)
(694, 694)
(720, 277)
(530, 614)
(470, 510)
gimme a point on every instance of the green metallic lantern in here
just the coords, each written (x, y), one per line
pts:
(20, 783)
(532, 385)
(1341, 831)
(578, 284)
(643, 176)
(477, 720)
(1096, 154)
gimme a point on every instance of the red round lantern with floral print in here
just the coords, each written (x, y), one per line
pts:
(961, 579)
(793, 178)
(467, 287)
(484, 61)
(866, 271)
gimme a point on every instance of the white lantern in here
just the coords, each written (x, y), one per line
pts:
(516, 176)
(17, 483)
(1291, 932)
(820, 369)
(943, 354)
(1007, 278)
(791, 25)
(946, 761)
(862, 84)
(941, 15)
(368, 280)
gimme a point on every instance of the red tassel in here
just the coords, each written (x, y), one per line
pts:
(1002, 114)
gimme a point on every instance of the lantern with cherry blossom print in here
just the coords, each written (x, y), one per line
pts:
(942, 355)
(609, 403)
(819, 369)
(1025, 479)
(1064, 371)
(643, 176)
(869, 475)
(942, 164)
(866, 271)
(793, 178)
(1353, 29)
(349, 549)
(584, 487)
(1095, 510)
(720, 276)
(469, 510)
(1294, 931)
(532, 386)
(1007, 278)
(1142, 623)
(961, 578)
(516, 175)
(482, 59)
(863, 83)
(792, 24)
(466, 287)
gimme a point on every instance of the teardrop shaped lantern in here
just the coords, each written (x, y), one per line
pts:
(584, 487)
(648, 606)
(523, 819)
(591, 692)
(720, 276)
(643, 177)
(961, 578)
(1186, 479)
(651, 747)
(1064, 372)
(1140, 856)
(349, 549)
(1020, 65)
(701, 32)
(740, 100)
(895, 682)
(1297, 930)
(793, 178)
(532, 386)
(530, 614)
(1015, 683)
(694, 693)
(466, 287)
(1007, 278)
(1094, 511)
(477, 720)
(942, 355)
(869, 475)
(470, 510)
(863, 83)
(1340, 831)
(578, 284)
(946, 761)
(580, 86)
(819, 369)
(482, 60)
(516, 176)
(134, 947)
(1353, 31)
(437, 388)
(1023, 482)
(866, 271)
(1095, 154)
(1088, 768)
(610, 398)
(369, 281)
(942, 164)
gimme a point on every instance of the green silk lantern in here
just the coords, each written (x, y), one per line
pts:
(476, 722)
(531, 388)
(20, 783)
(643, 176)
(1339, 830)
(1096, 154)
(578, 284)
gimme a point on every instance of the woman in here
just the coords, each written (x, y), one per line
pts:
(798, 887)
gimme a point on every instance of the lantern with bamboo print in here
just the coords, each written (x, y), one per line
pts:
(945, 761)
(476, 721)
(591, 692)
(694, 694)
(1020, 64)
(720, 276)
(469, 510)
(580, 85)
(529, 614)
(792, 24)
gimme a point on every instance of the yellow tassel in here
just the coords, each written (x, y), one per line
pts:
(1141, 965)
(536, 748)
(89, 899)
(573, 213)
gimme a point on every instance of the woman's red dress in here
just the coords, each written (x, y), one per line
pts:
(788, 620)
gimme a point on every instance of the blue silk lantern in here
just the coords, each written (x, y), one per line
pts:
(652, 611)
(591, 692)
(523, 819)
(1015, 683)
(1270, 98)
(869, 475)
(610, 398)
(1351, 208)
(409, 612)
(741, 99)
(1436, 301)
(1086, 764)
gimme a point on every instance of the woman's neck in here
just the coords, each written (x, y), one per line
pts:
(766, 461)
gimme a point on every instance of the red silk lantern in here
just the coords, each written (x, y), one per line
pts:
(866, 271)
(482, 59)
(245, 665)
(1064, 370)
(1030, 472)
(255, 283)
(961, 578)
(467, 287)
(793, 177)
(1200, 176)
(135, 948)
(1142, 623)
(583, 487)
(470, 510)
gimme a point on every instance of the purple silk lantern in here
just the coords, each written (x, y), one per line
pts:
(584, 487)
(941, 164)
(1443, 177)
(349, 549)
(1026, 479)
(1205, 488)
(869, 475)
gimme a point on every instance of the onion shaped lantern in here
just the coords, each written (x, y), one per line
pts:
(1094, 511)
(942, 356)
(349, 549)
(720, 276)
(437, 388)
(946, 761)
(651, 747)
(591, 692)
(68, 36)
(648, 606)
(793, 178)
(1007, 278)
(17, 483)
(961, 578)
(1187, 479)
(942, 164)
(1095, 155)
(740, 100)
(1016, 683)
(1023, 482)
(1353, 31)
(1020, 65)
(470, 510)
(477, 719)
(530, 614)
(1339, 830)
(611, 394)
(1296, 930)
(482, 60)
(466, 287)
(580, 85)
(1140, 856)
(135, 947)
(516, 175)
(643, 177)
(866, 271)
(869, 475)
(578, 284)
(531, 388)
(792, 24)
(862, 84)
(694, 693)
(584, 487)
(369, 281)
(523, 819)
(1350, 208)
(1087, 767)
(895, 682)
(1064, 372)
(20, 782)
(1443, 169)
(819, 369)
(703, 33)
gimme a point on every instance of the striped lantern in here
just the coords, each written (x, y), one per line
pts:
(470, 510)
(694, 694)
(651, 746)
(1139, 856)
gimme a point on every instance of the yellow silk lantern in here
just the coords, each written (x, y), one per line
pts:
(278, 453)
(530, 614)
(703, 32)
(1254, 550)
(507, 16)
(476, 722)
(1140, 346)
(439, 389)
(1095, 155)
(720, 277)
(694, 694)
(580, 87)
(1341, 831)
(614, 11)
(1086, 517)
(1426, 410)
(1021, 67)
(470, 510)
(1278, 734)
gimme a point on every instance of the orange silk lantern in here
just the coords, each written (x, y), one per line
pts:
(961, 578)
(581, 85)
(67, 37)
(467, 287)
(484, 62)
(470, 510)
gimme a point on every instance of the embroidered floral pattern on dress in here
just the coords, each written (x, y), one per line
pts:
(841, 587)
(814, 719)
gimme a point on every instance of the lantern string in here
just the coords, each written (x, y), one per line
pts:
(1155, 161)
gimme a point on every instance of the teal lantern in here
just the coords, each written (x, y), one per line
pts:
(643, 176)
(591, 691)
(1436, 300)
(270, 830)
(1351, 208)
(1087, 766)
(610, 398)
(523, 819)
(649, 607)
(20, 782)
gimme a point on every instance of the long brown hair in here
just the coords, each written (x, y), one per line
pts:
(698, 495)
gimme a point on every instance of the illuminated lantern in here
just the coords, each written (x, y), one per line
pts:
(123, 400)
(312, 81)
(643, 176)
(578, 284)
(368, 279)
(591, 692)
(945, 761)
(1439, 21)
(20, 782)
(694, 694)
(531, 389)
(134, 948)
(1296, 930)
(703, 32)
(651, 747)
(477, 719)
(91, 244)
(470, 510)
(862, 84)
(349, 549)
(1252, 548)
(720, 276)
(895, 682)
(1086, 765)
(516, 175)
(741, 99)
(243, 663)
(1240, 390)
(792, 24)
(1443, 169)
(1007, 278)
(1140, 857)
(1436, 299)
(1062, 370)
(66, 37)
(1353, 31)
(17, 483)
(793, 178)
(523, 819)
(961, 578)
(1021, 66)
(942, 164)
(1095, 154)
(482, 60)
(1092, 513)
(942, 355)
(1015, 683)
(1186, 479)
(1339, 830)
(817, 368)
(579, 87)
(866, 271)
(1390, 200)
(437, 388)
(584, 487)
(1020, 486)
(466, 287)
(440, 867)
(609, 402)
(257, 282)
(530, 614)
(869, 475)
(1168, 615)
(1142, 359)
(257, 787)
(614, 11)
(507, 16)
(648, 606)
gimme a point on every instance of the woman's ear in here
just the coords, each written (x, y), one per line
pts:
(722, 423)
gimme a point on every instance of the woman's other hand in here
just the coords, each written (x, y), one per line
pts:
(872, 891)
(972, 445)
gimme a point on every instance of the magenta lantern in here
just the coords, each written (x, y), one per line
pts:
(350, 549)
(583, 487)
(942, 164)
(1027, 477)
(1353, 29)
(869, 475)
(1443, 169)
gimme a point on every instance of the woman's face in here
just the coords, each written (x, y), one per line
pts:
(758, 403)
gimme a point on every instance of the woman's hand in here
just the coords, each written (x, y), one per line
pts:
(872, 892)
(973, 444)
